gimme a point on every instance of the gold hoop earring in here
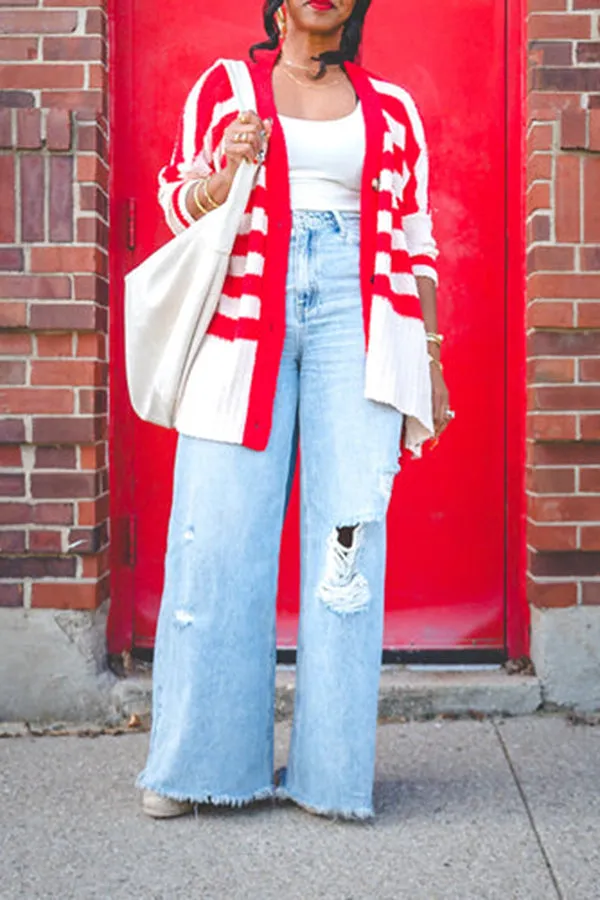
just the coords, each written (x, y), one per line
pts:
(281, 20)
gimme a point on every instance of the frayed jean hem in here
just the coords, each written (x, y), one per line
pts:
(207, 798)
(362, 814)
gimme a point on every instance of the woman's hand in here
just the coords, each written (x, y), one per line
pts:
(440, 400)
(246, 138)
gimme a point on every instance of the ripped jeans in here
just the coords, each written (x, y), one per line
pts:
(214, 667)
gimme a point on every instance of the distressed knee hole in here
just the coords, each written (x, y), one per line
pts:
(183, 617)
(343, 589)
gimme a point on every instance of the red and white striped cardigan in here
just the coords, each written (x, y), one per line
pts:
(230, 393)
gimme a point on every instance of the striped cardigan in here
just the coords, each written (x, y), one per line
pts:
(230, 392)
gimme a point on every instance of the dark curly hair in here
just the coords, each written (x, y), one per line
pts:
(349, 45)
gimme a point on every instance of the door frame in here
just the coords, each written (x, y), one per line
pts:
(121, 434)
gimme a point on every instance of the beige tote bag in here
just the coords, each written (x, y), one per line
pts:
(171, 297)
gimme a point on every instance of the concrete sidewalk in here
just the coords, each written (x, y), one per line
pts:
(467, 809)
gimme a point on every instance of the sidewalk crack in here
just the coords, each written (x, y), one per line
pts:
(529, 812)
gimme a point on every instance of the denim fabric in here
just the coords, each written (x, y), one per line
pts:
(214, 666)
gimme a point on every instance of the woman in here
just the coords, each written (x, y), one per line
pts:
(325, 338)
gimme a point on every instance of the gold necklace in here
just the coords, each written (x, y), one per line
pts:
(307, 85)
(294, 65)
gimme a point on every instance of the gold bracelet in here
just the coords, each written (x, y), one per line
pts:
(432, 359)
(202, 208)
(207, 193)
(435, 338)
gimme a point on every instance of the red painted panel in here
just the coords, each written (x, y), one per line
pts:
(447, 551)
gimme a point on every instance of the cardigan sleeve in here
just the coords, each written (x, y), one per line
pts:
(416, 220)
(196, 152)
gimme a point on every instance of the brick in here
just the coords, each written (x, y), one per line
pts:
(12, 372)
(552, 537)
(551, 258)
(588, 316)
(552, 427)
(538, 197)
(540, 228)
(589, 479)
(550, 370)
(54, 345)
(35, 76)
(589, 258)
(553, 314)
(14, 513)
(35, 287)
(551, 53)
(564, 509)
(17, 99)
(591, 210)
(13, 315)
(594, 138)
(68, 317)
(6, 128)
(59, 129)
(545, 595)
(35, 400)
(573, 397)
(573, 129)
(586, 4)
(69, 595)
(541, 25)
(7, 191)
(68, 430)
(550, 481)
(576, 80)
(93, 199)
(55, 458)
(10, 457)
(32, 194)
(11, 594)
(71, 372)
(12, 485)
(64, 258)
(562, 286)
(95, 22)
(45, 541)
(539, 167)
(90, 168)
(93, 457)
(12, 431)
(574, 453)
(540, 138)
(590, 537)
(591, 593)
(15, 48)
(89, 540)
(52, 513)
(37, 567)
(12, 541)
(566, 343)
(37, 22)
(11, 259)
(588, 52)
(91, 287)
(94, 512)
(29, 127)
(90, 137)
(91, 402)
(567, 193)
(60, 213)
(91, 101)
(91, 345)
(63, 485)
(564, 563)
(589, 370)
(72, 48)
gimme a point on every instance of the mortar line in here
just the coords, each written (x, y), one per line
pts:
(528, 811)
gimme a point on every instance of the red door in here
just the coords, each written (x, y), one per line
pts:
(449, 572)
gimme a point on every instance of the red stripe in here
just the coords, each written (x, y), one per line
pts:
(231, 329)
(401, 261)
(175, 204)
(423, 261)
(405, 304)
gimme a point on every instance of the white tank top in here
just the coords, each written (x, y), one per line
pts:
(325, 161)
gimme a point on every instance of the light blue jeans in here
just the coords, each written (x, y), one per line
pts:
(214, 664)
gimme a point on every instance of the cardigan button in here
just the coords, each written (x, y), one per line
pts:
(375, 184)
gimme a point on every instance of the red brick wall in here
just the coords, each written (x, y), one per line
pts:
(563, 302)
(54, 304)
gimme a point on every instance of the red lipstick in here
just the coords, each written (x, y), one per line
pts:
(321, 5)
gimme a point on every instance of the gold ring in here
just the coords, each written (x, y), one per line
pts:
(243, 118)
(238, 137)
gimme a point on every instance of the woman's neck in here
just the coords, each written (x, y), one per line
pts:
(300, 47)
